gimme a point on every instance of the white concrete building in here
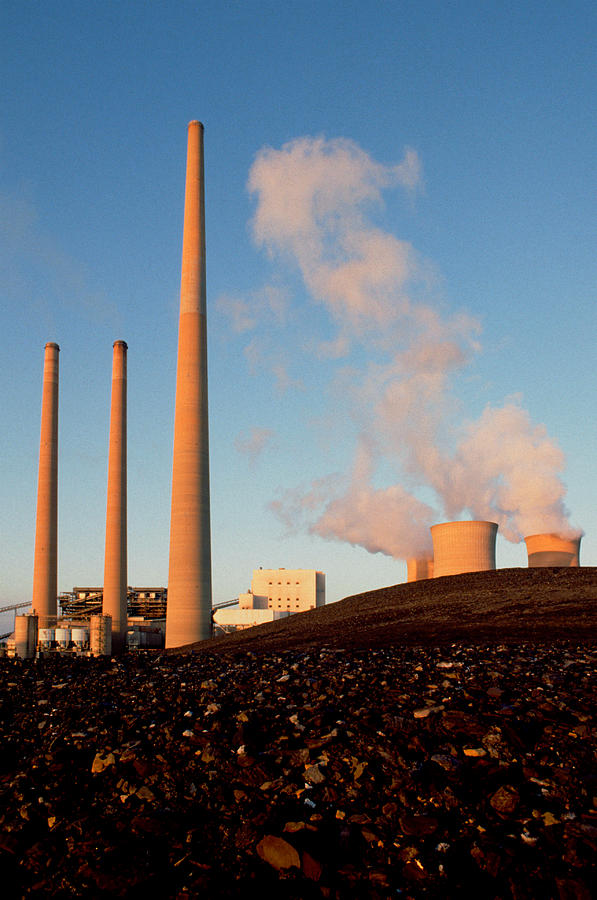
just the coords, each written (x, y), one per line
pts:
(236, 619)
(274, 594)
(294, 590)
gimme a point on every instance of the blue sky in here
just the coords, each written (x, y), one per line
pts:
(496, 101)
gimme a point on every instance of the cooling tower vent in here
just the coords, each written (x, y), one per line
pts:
(460, 547)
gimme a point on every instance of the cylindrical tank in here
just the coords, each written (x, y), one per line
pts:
(460, 547)
(419, 568)
(100, 635)
(26, 636)
(63, 636)
(46, 637)
(80, 637)
(552, 550)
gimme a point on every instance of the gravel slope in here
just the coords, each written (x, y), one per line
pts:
(502, 605)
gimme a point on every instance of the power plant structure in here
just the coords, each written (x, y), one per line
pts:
(115, 561)
(188, 617)
(274, 594)
(460, 547)
(294, 590)
(419, 568)
(45, 565)
(552, 550)
(142, 602)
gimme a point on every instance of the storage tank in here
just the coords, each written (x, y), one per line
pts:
(552, 550)
(100, 635)
(46, 637)
(63, 636)
(419, 568)
(460, 547)
(80, 637)
(26, 636)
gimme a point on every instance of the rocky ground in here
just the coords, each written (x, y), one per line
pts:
(451, 769)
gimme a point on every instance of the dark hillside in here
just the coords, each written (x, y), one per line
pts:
(502, 605)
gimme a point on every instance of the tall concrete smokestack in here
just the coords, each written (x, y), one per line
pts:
(460, 547)
(45, 566)
(115, 562)
(188, 615)
(552, 550)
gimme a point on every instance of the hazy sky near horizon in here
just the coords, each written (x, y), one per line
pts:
(456, 142)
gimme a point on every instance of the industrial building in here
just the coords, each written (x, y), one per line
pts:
(142, 602)
(294, 590)
(91, 638)
(274, 594)
(238, 618)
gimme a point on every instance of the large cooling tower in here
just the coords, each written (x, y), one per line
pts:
(188, 615)
(115, 561)
(552, 550)
(463, 547)
(45, 565)
(419, 568)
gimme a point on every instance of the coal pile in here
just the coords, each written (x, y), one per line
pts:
(460, 770)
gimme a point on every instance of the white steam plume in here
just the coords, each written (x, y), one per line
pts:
(508, 469)
(312, 197)
(252, 443)
(384, 520)
(316, 200)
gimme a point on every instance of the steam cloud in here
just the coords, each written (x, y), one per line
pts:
(253, 443)
(317, 201)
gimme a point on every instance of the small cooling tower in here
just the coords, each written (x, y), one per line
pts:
(463, 547)
(419, 568)
(552, 550)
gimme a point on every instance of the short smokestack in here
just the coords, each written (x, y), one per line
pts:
(460, 547)
(26, 631)
(188, 616)
(552, 550)
(100, 635)
(115, 561)
(45, 565)
(419, 568)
